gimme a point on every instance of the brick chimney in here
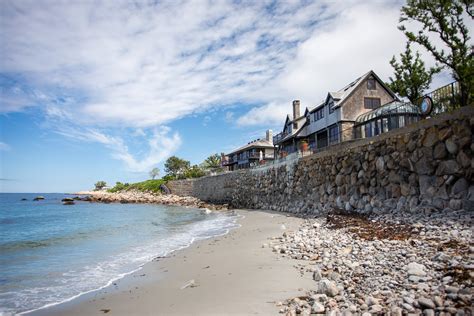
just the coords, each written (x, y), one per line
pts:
(269, 136)
(296, 109)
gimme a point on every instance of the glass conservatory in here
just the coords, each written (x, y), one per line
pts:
(390, 116)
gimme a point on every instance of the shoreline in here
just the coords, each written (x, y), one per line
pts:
(134, 196)
(160, 286)
(113, 281)
(279, 263)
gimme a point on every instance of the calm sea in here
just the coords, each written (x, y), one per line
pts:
(50, 253)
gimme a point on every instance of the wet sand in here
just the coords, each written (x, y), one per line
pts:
(226, 275)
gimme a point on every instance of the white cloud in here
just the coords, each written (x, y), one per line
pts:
(144, 64)
(160, 145)
(361, 37)
(4, 146)
(271, 114)
(139, 64)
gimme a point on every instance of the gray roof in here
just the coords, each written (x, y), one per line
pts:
(341, 95)
(259, 143)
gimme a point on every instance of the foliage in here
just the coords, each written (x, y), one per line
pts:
(411, 76)
(176, 167)
(194, 172)
(444, 18)
(148, 185)
(119, 186)
(100, 185)
(168, 177)
(213, 163)
(154, 173)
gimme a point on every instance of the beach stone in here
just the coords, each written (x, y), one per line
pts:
(317, 274)
(317, 308)
(408, 307)
(416, 269)
(396, 311)
(428, 312)
(375, 309)
(426, 303)
(438, 301)
(371, 301)
(327, 287)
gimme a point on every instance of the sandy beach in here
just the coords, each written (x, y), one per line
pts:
(227, 275)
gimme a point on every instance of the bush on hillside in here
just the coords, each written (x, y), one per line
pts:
(148, 185)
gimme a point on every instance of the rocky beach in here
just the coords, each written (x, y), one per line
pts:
(135, 196)
(392, 264)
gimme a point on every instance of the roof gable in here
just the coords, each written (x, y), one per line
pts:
(348, 90)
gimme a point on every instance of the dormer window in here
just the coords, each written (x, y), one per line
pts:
(331, 106)
(371, 84)
(319, 114)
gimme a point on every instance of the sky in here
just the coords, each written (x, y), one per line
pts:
(108, 90)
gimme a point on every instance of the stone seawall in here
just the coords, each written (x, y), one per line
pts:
(181, 187)
(428, 165)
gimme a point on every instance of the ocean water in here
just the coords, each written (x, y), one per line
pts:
(51, 253)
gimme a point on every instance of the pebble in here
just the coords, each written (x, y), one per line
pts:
(419, 274)
(317, 308)
(426, 303)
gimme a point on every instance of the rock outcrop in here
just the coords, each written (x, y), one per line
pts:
(125, 197)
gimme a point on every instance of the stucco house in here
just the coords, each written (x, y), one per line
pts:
(253, 153)
(332, 120)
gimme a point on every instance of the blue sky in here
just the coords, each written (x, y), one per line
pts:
(108, 90)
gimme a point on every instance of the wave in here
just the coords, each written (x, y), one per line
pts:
(73, 284)
(19, 245)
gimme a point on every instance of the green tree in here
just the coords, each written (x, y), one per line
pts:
(194, 172)
(175, 166)
(213, 163)
(100, 185)
(154, 173)
(445, 20)
(411, 76)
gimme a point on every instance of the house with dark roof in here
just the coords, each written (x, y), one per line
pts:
(254, 153)
(332, 120)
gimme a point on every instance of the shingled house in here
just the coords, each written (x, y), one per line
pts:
(333, 119)
(254, 153)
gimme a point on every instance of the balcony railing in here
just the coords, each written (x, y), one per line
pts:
(278, 137)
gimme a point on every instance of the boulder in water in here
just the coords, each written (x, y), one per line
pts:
(23, 199)
(38, 198)
(68, 203)
(67, 200)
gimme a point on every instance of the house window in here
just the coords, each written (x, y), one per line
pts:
(319, 114)
(331, 107)
(371, 84)
(295, 125)
(334, 134)
(371, 103)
